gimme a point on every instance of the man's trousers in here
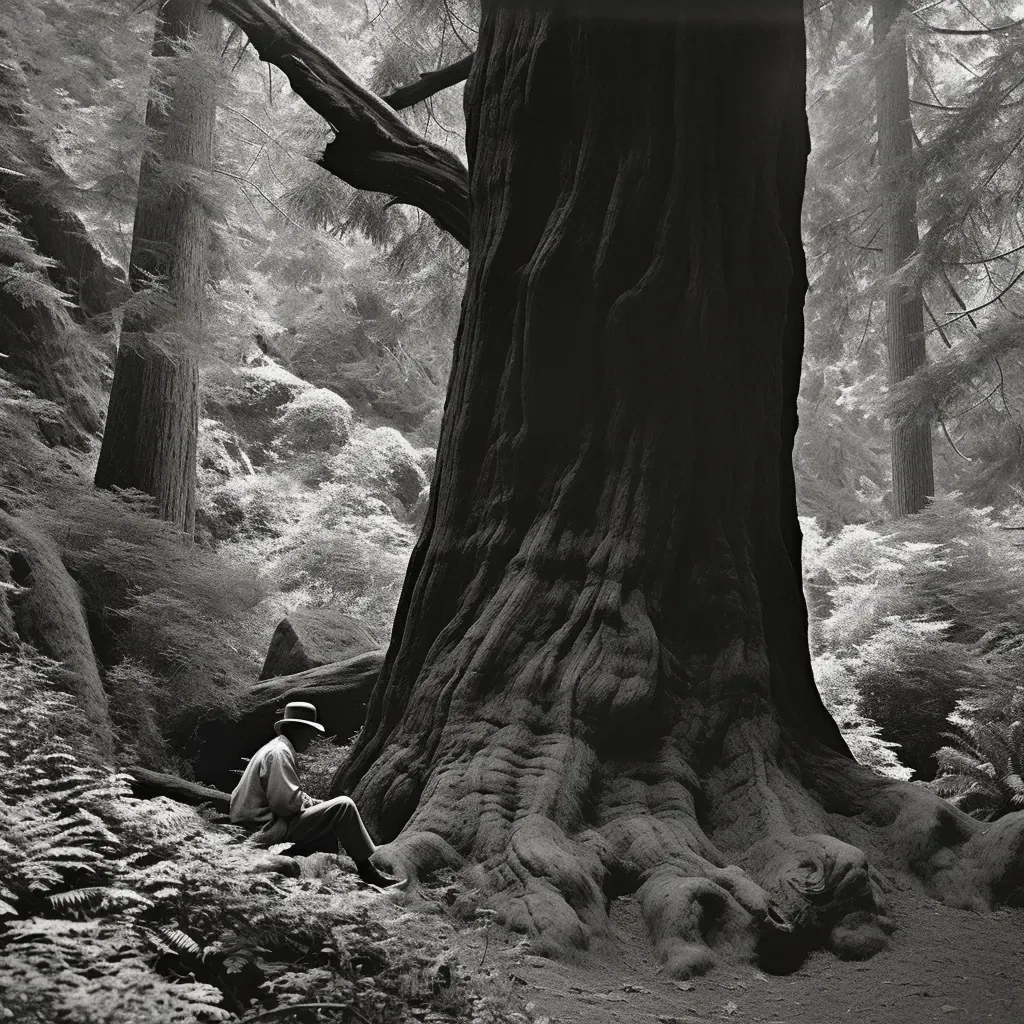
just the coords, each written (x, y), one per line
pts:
(325, 826)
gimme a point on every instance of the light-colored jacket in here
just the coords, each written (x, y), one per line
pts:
(269, 787)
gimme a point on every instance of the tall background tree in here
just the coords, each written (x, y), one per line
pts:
(151, 431)
(913, 480)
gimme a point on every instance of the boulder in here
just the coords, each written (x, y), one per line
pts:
(315, 421)
(310, 637)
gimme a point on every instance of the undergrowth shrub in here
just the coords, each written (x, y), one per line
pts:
(126, 911)
(982, 772)
(352, 562)
(138, 702)
(243, 508)
(381, 339)
(26, 459)
(220, 454)
(837, 685)
(246, 401)
(920, 619)
(187, 615)
(319, 763)
(383, 463)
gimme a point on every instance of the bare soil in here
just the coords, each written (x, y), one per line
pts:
(941, 965)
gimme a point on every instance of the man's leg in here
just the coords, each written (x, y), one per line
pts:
(338, 818)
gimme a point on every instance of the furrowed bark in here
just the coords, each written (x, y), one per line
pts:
(374, 150)
(598, 681)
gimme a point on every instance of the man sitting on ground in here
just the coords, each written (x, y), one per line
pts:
(269, 795)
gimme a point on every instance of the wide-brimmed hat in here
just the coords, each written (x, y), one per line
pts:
(300, 713)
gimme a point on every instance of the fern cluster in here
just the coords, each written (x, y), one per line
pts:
(185, 616)
(915, 622)
(126, 911)
(982, 771)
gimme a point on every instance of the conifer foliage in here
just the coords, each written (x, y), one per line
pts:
(907, 619)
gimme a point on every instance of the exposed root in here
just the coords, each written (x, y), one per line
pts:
(693, 920)
(828, 892)
(785, 894)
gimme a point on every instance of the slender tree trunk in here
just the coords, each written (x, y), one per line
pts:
(912, 471)
(598, 681)
(153, 418)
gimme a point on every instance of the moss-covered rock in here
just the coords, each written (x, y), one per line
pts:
(383, 462)
(314, 422)
(46, 611)
(247, 401)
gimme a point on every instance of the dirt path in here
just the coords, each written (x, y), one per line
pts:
(942, 965)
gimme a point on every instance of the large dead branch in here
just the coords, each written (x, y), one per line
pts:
(429, 84)
(373, 149)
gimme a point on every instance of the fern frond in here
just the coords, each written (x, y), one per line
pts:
(179, 942)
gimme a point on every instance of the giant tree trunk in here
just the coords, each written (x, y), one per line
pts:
(153, 418)
(911, 443)
(598, 679)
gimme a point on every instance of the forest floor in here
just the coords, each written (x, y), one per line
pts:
(941, 965)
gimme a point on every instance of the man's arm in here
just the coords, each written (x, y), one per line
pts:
(284, 793)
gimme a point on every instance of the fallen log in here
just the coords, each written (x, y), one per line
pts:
(147, 783)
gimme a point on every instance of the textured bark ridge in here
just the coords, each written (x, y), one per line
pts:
(598, 681)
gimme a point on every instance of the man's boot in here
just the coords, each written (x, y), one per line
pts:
(372, 876)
